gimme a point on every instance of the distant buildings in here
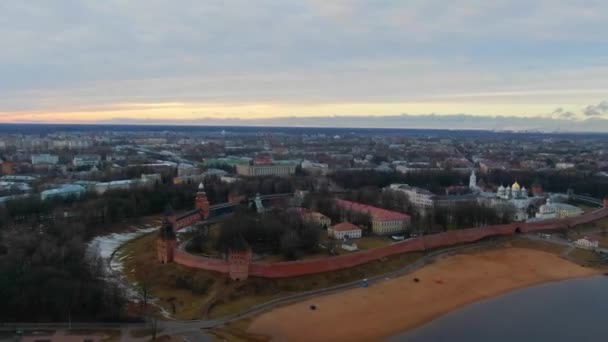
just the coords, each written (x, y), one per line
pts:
(564, 166)
(15, 186)
(315, 168)
(184, 169)
(18, 178)
(424, 200)
(415, 167)
(86, 160)
(420, 198)
(317, 218)
(66, 191)
(384, 222)
(45, 158)
(266, 170)
(489, 165)
(552, 210)
(146, 181)
(230, 161)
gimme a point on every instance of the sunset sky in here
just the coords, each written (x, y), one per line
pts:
(198, 61)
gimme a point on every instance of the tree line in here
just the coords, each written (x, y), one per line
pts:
(278, 231)
(437, 218)
(46, 274)
(581, 182)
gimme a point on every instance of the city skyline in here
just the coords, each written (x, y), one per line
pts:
(505, 65)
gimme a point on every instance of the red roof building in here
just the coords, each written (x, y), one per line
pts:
(262, 159)
(344, 229)
(384, 222)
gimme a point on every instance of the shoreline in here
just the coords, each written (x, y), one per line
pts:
(399, 305)
(481, 300)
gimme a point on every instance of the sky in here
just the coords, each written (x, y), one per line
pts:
(517, 64)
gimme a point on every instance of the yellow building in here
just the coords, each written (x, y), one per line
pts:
(384, 222)
(266, 170)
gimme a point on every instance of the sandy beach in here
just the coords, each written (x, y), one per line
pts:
(397, 305)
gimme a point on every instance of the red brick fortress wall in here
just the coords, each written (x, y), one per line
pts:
(303, 267)
(182, 258)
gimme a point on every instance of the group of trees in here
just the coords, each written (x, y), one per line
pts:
(433, 180)
(581, 182)
(324, 203)
(46, 274)
(438, 218)
(276, 231)
(97, 211)
(461, 215)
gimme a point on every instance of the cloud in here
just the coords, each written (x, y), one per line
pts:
(64, 55)
(596, 110)
(404, 121)
(560, 113)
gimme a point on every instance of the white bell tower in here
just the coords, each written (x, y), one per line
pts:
(473, 181)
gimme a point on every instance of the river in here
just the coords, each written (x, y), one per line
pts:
(571, 310)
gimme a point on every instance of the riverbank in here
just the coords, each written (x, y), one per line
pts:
(401, 304)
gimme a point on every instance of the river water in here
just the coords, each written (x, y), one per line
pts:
(571, 310)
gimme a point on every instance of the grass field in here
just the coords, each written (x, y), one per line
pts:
(185, 292)
(371, 242)
(367, 242)
(188, 293)
(585, 257)
(538, 245)
(598, 229)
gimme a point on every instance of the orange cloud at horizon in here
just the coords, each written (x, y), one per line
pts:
(191, 111)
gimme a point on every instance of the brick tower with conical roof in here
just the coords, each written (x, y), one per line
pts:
(166, 240)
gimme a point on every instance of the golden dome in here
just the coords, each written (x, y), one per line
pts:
(515, 186)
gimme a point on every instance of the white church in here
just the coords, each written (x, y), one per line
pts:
(513, 195)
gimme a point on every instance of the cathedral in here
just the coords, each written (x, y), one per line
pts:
(512, 192)
(514, 196)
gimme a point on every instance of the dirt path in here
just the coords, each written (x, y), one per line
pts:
(401, 304)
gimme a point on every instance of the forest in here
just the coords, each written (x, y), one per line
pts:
(277, 231)
(46, 274)
(581, 182)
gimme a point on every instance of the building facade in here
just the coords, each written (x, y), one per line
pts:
(587, 243)
(281, 170)
(420, 198)
(86, 160)
(384, 222)
(45, 158)
(66, 191)
(317, 218)
(344, 230)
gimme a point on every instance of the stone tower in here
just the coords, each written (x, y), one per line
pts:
(166, 242)
(170, 215)
(202, 203)
(473, 181)
(239, 264)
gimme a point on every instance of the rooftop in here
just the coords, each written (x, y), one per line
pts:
(344, 226)
(378, 213)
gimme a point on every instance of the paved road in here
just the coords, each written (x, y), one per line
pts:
(557, 241)
(191, 330)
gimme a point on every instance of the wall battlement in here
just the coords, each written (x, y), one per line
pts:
(303, 267)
